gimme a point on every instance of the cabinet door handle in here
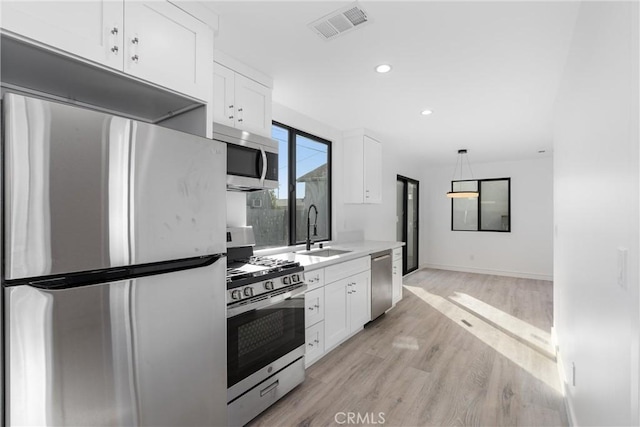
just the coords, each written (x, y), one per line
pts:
(310, 308)
(316, 341)
(135, 40)
(135, 58)
(310, 345)
(230, 106)
(317, 305)
(114, 40)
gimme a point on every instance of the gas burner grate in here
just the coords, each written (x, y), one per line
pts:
(269, 262)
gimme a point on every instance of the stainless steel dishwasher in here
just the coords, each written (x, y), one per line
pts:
(381, 283)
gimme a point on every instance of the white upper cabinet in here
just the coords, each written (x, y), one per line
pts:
(362, 168)
(154, 41)
(253, 102)
(167, 46)
(224, 95)
(90, 29)
(241, 102)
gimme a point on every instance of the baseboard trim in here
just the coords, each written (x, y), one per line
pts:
(489, 271)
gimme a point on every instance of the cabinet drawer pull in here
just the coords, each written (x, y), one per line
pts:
(114, 49)
(269, 388)
(135, 40)
(311, 308)
(316, 305)
(114, 30)
(317, 342)
(135, 58)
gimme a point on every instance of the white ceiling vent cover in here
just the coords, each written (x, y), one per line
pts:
(340, 22)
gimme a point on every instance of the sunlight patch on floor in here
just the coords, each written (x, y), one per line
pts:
(532, 361)
(406, 343)
(535, 337)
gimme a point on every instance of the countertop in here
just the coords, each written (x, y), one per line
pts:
(356, 250)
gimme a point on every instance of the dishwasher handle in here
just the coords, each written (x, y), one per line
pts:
(380, 258)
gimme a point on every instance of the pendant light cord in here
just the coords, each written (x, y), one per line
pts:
(458, 160)
(468, 164)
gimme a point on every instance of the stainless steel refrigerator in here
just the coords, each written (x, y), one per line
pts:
(113, 276)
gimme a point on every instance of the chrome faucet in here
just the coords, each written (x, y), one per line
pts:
(315, 225)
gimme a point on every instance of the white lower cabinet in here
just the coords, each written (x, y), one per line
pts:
(348, 307)
(314, 343)
(314, 317)
(396, 275)
(314, 307)
(338, 309)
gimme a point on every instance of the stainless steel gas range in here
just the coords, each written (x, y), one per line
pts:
(265, 327)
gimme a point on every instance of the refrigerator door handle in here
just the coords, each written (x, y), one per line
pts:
(85, 278)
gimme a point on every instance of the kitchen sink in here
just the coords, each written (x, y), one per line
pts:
(324, 253)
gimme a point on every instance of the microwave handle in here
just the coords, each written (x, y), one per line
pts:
(264, 166)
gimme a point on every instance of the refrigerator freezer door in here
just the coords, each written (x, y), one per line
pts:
(85, 190)
(145, 352)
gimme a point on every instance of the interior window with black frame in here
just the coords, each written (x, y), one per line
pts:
(490, 211)
(304, 179)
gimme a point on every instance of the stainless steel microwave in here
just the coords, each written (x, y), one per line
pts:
(252, 160)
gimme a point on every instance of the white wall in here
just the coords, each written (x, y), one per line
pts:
(596, 174)
(527, 251)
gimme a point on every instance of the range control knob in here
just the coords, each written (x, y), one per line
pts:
(268, 285)
(286, 280)
(248, 291)
(235, 295)
(295, 278)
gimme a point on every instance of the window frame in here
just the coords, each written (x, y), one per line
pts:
(479, 207)
(293, 132)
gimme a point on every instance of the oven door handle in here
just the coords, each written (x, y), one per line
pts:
(234, 311)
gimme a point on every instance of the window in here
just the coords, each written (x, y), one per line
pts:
(491, 211)
(305, 160)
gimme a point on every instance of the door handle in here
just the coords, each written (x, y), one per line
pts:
(264, 166)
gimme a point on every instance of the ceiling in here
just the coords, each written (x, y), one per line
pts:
(490, 71)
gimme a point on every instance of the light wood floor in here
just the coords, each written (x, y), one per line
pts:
(459, 349)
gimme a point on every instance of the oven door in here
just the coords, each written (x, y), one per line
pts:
(251, 167)
(264, 337)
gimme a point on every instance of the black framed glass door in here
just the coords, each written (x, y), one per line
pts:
(407, 196)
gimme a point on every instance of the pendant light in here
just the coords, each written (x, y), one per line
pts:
(462, 155)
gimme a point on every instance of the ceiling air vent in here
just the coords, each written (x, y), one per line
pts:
(340, 22)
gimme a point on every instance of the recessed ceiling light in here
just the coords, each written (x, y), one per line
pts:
(426, 112)
(383, 68)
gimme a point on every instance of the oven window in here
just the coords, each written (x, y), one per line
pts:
(259, 337)
(259, 333)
